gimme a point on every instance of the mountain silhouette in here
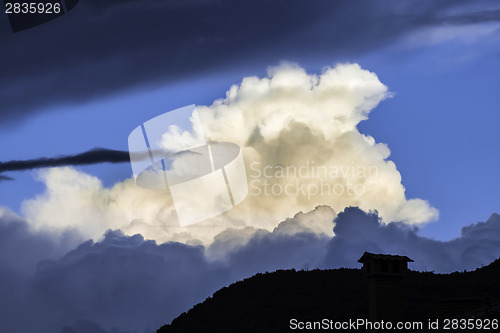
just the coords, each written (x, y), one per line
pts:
(266, 302)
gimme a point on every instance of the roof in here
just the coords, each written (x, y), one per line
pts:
(458, 300)
(393, 257)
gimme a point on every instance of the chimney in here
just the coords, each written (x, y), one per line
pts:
(385, 275)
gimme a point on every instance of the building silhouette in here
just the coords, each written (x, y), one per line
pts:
(386, 294)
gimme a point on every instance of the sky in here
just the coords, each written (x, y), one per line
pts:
(410, 88)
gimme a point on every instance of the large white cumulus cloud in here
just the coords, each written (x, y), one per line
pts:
(301, 147)
(295, 119)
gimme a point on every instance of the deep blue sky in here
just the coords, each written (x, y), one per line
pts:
(89, 77)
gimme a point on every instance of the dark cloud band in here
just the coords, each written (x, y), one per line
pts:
(2, 177)
(94, 156)
(163, 40)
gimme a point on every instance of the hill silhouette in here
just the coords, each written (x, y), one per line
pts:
(266, 302)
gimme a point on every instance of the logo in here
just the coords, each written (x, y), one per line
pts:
(28, 14)
(205, 178)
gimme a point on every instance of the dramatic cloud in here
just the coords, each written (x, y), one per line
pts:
(20, 252)
(76, 200)
(300, 142)
(357, 231)
(94, 156)
(3, 177)
(302, 146)
(128, 284)
(122, 281)
(21, 249)
(130, 44)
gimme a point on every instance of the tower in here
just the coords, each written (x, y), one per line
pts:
(385, 275)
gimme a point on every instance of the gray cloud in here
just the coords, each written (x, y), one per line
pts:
(86, 326)
(102, 47)
(357, 231)
(3, 177)
(29, 248)
(119, 284)
(128, 284)
(93, 156)
(123, 281)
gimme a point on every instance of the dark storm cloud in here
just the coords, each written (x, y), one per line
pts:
(94, 156)
(123, 281)
(120, 284)
(101, 47)
(475, 17)
(85, 326)
(21, 250)
(357, 231)
(128, 284)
